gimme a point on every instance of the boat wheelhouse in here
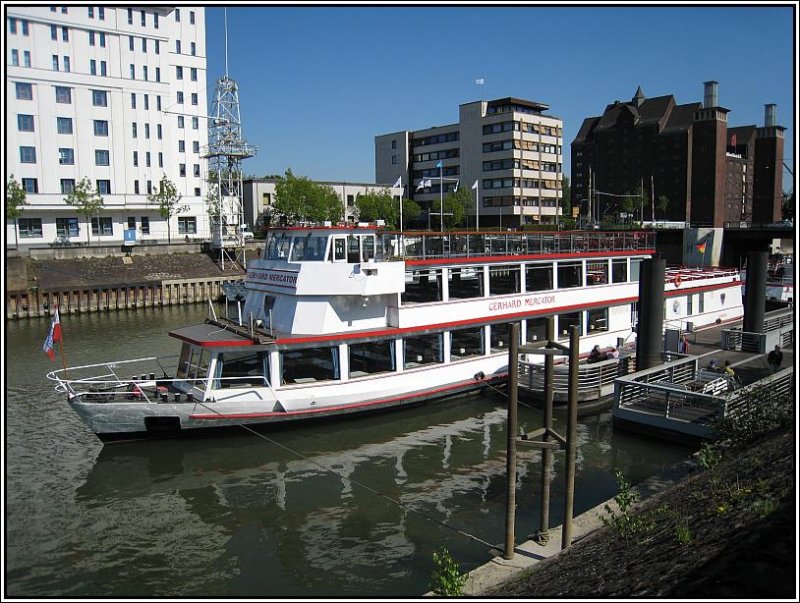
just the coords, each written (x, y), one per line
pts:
(338, 320)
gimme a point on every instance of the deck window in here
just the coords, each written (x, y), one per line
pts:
(570, 274)
(565, 321)
(504, 280)
(597, 320)
(536, 329)
(500, 338)
(371, 357)
(466, 342)
(619, 271)
(635, 268)
(423, 349)
(422, 285)
(597, 273)
(241, 369)
(539, 277)
(311, 364)
(277, 246)
(465, 282)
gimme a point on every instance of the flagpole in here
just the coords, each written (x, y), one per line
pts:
(441, 197)
(61, 343)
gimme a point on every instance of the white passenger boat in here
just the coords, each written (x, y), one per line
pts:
(340, 320)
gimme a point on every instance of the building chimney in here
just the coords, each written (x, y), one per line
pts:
(710, 94)
(770, 117)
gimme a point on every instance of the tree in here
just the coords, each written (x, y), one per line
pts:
(456, 207)
(167, 198)
(661, 205)
(383, 206)
(87, 202)
(566, 197)
(299, 199)
(16, 199)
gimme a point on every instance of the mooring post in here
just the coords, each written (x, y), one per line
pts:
(511, 452)
(547, 453)
(572, 428)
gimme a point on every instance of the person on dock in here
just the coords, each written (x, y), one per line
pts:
(775, 358)
(729, 372)
(612, 353)
(683, 345)
(595, 355)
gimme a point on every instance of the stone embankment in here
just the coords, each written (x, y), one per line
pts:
(35, 286)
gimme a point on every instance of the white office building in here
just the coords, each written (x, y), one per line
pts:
(114, 94)
(508, 145)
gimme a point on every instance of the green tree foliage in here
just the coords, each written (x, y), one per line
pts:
(446, 579)
(299, 199)
(661, 206)
(86, 200)
(383, 206)
(457, 206)
(16, 199)
(167, 198)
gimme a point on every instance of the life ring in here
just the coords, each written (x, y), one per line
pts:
(677, 280)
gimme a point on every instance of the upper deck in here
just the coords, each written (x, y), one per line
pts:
(368, 244)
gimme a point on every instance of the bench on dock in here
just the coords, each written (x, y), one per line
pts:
(711, 382)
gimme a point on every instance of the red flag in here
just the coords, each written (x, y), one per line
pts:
(53, 336)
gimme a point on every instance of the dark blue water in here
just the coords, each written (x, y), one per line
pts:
(347, 508)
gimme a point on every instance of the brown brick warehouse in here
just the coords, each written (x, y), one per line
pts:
(685, 154)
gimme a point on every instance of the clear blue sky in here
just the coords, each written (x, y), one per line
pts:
(317, 84)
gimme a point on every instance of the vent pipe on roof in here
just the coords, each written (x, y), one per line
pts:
(770, 116)
(710, 94)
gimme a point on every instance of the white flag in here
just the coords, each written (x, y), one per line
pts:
(475, 186)
(421, 185)
(455, 188)
(479, 81)
(399, 183)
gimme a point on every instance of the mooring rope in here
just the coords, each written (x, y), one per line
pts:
(349, 479)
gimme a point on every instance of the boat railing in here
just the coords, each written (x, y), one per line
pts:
(595, 380)
(429, 246)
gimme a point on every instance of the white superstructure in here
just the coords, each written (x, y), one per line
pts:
(115, 94)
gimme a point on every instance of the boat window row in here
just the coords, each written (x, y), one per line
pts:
(314, 247)
(424, 285)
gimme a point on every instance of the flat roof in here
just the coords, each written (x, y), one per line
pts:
(208, 335)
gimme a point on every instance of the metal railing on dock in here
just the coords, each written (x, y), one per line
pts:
(778, 330)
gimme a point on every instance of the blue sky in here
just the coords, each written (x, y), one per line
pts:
(317, 84)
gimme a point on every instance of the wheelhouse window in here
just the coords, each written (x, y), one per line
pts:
(539, 277)
(466, 342)
(371, 357)
(308, 248)
(504, 280)
(619, 271)
(277, 247)
(193, 364)
(423, 349)
(241, 369)
(465, 283)
(597, 273)
(422, 285)
(311, 364)
(570, 274)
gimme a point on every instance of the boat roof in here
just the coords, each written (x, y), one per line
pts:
(209, 335)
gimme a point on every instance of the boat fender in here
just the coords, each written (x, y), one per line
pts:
(479, 376)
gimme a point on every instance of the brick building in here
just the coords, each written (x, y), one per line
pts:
(682, 162)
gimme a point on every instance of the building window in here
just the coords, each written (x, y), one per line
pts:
(104, 187)
(102, 38)
(68, 67)
(64, 95)
(158, 46)
(54, 32)
(145, 227)
(15, 57)
(182, 170)
(135, 129)
(158, 98)
(194, 98)
(144, 72)
(102, 226)
(27, 154)
(195, 146)
(147, 131)
(193, 48)
(195, 123)
(180, 122)
(130, 16)
(144, 45)
(26, 58)
(191, 17)
(99, 98)
(136, 159)
(180, 98)
(147, 159)
(197, 191)
(65, 34)
(160, 159)
(91, 38)
(144, 19)
(133, 100)
(24, 91)
(55, 62)
(91, 12)
(12, 25)
(131, 223)
(66, 156)
(101, 157)
(177, 46)
(100, 127)
(193, 73)
(64, 125)
(101, 13)
(155, 20)
(67, 227)
(179, 72)
(177, 15)
(25, 123)
(30, 185)
(187, 225)
(181, 146)
(158, 131)
(92, 67)
(67, 186)
(30, 228)
(147, 102)
(197, 170)
(135, 187)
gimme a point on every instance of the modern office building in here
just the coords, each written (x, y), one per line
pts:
(683, 161)
(115, 94)
(259, 196)
(508, 146)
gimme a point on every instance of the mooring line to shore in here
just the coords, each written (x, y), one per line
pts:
(352, 481)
